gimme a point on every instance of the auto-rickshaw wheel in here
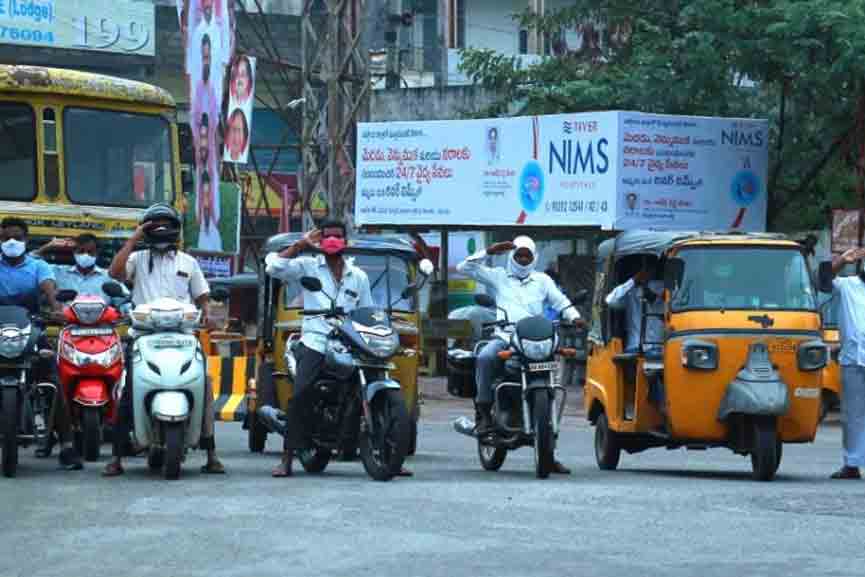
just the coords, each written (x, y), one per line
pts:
(607, 446)
(766, 454)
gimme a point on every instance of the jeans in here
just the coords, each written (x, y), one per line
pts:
(487, 366)
(853, 415)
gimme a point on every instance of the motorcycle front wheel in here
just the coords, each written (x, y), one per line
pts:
(544, 437)
(10, 431)
(384, 445)
(91, 432)
(173, 450)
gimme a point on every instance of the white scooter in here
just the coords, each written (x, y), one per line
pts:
(168, 381)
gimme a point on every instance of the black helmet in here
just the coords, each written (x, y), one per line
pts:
(162, 237)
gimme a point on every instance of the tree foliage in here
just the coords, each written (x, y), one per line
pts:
(798, 63)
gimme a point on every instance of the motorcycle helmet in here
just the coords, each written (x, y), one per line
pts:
(165, 236)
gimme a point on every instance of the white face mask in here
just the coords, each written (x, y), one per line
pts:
(85, 260)
(518, 270)
(13, 248)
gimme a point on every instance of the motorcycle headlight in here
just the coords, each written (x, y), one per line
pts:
(538, 350)
(700, 355)
(81, 359)
(812, 356)
(382, 347)
(13, 341)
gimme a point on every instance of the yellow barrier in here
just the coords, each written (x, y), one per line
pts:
(230, 377)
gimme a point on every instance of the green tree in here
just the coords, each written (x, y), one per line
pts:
(798, 63)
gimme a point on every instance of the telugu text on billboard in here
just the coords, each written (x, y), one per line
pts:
(613, 170)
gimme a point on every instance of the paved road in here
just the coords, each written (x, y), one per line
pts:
(669, 513)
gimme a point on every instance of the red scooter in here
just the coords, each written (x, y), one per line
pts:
(89, 366)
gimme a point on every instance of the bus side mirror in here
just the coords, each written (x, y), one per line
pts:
(825, 276)
(674, 269)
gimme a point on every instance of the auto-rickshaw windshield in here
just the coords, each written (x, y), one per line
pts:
(745, 278)
(388, 277)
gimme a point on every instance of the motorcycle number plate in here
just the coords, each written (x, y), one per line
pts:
(172, 343)
(540, 367)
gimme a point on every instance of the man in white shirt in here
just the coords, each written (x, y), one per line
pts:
(161, 271)
(522, 292)
(340, 279)
(851, 292)
(645, 285)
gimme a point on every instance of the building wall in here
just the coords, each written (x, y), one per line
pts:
(440, 103)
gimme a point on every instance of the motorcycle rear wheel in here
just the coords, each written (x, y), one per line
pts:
(492, 458)
(314, 460)
(10, 431)
(383, 447)
(91, 432)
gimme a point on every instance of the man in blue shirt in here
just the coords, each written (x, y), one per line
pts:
(23, 280)
(84, 277)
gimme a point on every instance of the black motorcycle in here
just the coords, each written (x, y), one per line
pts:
(356, 401)
(528, 402)
(25, 406)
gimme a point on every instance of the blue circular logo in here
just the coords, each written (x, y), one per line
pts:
(531, 186)
(745, 188)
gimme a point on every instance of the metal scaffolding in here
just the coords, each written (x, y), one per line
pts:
(336, 86)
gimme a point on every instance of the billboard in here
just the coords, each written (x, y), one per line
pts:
(612, 170)
(119, 26)
(239, 120)
(219, 236)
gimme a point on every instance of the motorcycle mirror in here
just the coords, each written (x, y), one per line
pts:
(311, 284)
(485, 300)
(219, 295)
(113, 289)
(580, 297)
(426, 267)
(66, 295)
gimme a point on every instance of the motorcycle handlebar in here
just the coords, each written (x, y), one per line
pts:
(322, 312)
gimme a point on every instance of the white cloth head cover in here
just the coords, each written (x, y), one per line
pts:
(515, 268)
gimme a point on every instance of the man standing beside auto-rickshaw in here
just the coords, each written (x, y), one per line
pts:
(851, 292)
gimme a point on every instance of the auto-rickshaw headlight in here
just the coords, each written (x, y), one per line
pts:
(812, 355)
(701, 355)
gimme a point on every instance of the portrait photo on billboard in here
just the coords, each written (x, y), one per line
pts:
(241, 90)
(216, 236)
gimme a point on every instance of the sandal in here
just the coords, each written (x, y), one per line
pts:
(113, 470)
(403, 472)
(847, 473)
(281, 471)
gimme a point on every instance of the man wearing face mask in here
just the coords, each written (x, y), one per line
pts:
(522, 292)
(161, 271)
(340, 279)
(84, 277)
(23, 280)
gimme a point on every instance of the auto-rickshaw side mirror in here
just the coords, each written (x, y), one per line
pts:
(825, 276)
(426, 267)
(485, 300)
(311, 284)
(580, 297)
(674, 269)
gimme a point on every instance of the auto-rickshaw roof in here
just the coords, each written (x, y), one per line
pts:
(389, 244)
(658, 242)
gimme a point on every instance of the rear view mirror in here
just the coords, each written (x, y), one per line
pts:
(66, 295)
(113, 289)
(220, 295)
(426, 267)
(674, 269)
(825, 276)
(485, 300)
(311, 284)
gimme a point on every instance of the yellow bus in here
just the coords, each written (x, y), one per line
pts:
(83, 152)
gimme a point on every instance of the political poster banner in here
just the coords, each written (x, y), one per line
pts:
(239, 120)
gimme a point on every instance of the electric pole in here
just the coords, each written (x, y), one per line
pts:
(336, 87)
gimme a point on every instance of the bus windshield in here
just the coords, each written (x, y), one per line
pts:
(117, 158)
(744, 278)
(17, 152)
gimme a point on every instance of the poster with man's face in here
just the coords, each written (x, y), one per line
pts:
(241, 90)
